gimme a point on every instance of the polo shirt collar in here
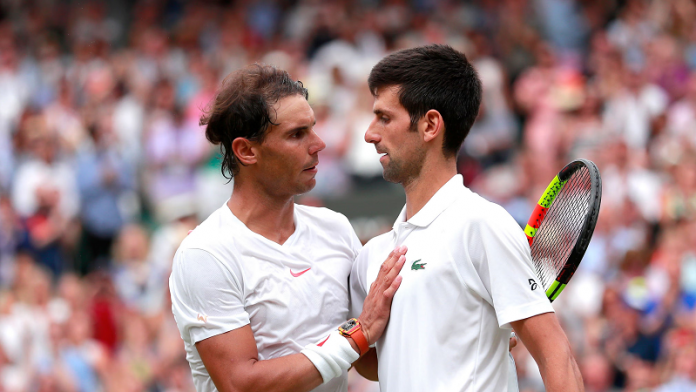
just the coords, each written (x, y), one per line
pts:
(442, 199)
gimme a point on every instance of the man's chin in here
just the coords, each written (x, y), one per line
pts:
(390, 177)
(307, 186)
(398, 174)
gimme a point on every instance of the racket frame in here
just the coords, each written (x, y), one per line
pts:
(546, 202)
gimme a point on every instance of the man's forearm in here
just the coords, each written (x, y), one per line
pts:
(289, 373)
(296, 372)
(560, 372)
(367, 365)
(548, 345)
(284, 374)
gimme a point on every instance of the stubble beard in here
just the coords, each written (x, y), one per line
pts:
(304, 188)
(404, 171)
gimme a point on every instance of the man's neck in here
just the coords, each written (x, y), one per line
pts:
(266, 215)
(432, 177)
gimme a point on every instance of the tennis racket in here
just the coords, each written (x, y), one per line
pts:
(562, 224)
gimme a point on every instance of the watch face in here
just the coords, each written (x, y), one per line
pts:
(348, 325)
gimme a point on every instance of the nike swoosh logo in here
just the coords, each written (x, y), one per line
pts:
(323, 341)
(299, 273)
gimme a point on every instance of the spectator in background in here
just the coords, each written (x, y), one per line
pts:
(630, 114)
(331, 127)
(666, 67)
(492, 137)
(631, 31)
(582, 130)
(85, 359)
(536, 95)
(63, 120)
(14, 81)
(681, 362)
(104, 177)
(679, 198)
(6, 156)
(43, 172)
(175, 146)
(681, 118)
(618, 85)
(10, 230)
(140, 283)
(45, 196)
(597, 373)
(136, 359)
(128, 120)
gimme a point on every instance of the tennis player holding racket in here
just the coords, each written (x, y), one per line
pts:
(468, 279)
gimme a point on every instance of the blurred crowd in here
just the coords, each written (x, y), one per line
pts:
(104, 168)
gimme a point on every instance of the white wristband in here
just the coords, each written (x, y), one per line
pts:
(331, 357)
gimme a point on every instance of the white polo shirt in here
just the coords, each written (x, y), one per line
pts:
(225, 276)
(467, 276)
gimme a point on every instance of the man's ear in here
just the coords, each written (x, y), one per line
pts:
(244, 150)
(432, 125)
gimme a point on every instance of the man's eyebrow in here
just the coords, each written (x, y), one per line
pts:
(302, 127)
(380, 112)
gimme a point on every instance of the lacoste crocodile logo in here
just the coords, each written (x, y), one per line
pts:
(416, 266)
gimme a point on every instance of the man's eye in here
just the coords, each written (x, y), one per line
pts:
(384, 119)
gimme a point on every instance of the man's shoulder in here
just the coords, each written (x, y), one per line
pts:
(210, 234)
(378, 243)
(322, 217)
(481, 219)
(476, 209)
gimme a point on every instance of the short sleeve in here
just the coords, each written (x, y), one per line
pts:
(207, 295)
(503, 261)
(357, 279)
(353, 241)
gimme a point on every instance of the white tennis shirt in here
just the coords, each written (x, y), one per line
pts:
(467, 275)
(225, 276)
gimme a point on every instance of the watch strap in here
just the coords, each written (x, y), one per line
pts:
(359, 338)
(357, 335)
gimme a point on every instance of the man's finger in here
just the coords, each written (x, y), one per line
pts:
(396, 268)
(386, 279)
(393, 257)
(513, 342)
(392, 281)
(388, 265)
(391, 290)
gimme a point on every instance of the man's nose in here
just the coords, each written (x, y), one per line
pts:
(317, 144)
(371, 135)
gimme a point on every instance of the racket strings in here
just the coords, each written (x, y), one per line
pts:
(562, 227)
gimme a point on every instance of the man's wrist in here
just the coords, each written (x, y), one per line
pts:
(332, 356)
(366, 333)
(353, 329)
(353, 344)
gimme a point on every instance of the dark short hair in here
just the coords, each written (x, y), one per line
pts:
(433, 77)
(242, 108)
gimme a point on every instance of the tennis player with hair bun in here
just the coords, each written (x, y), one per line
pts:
(468, 279)
(260, 289)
